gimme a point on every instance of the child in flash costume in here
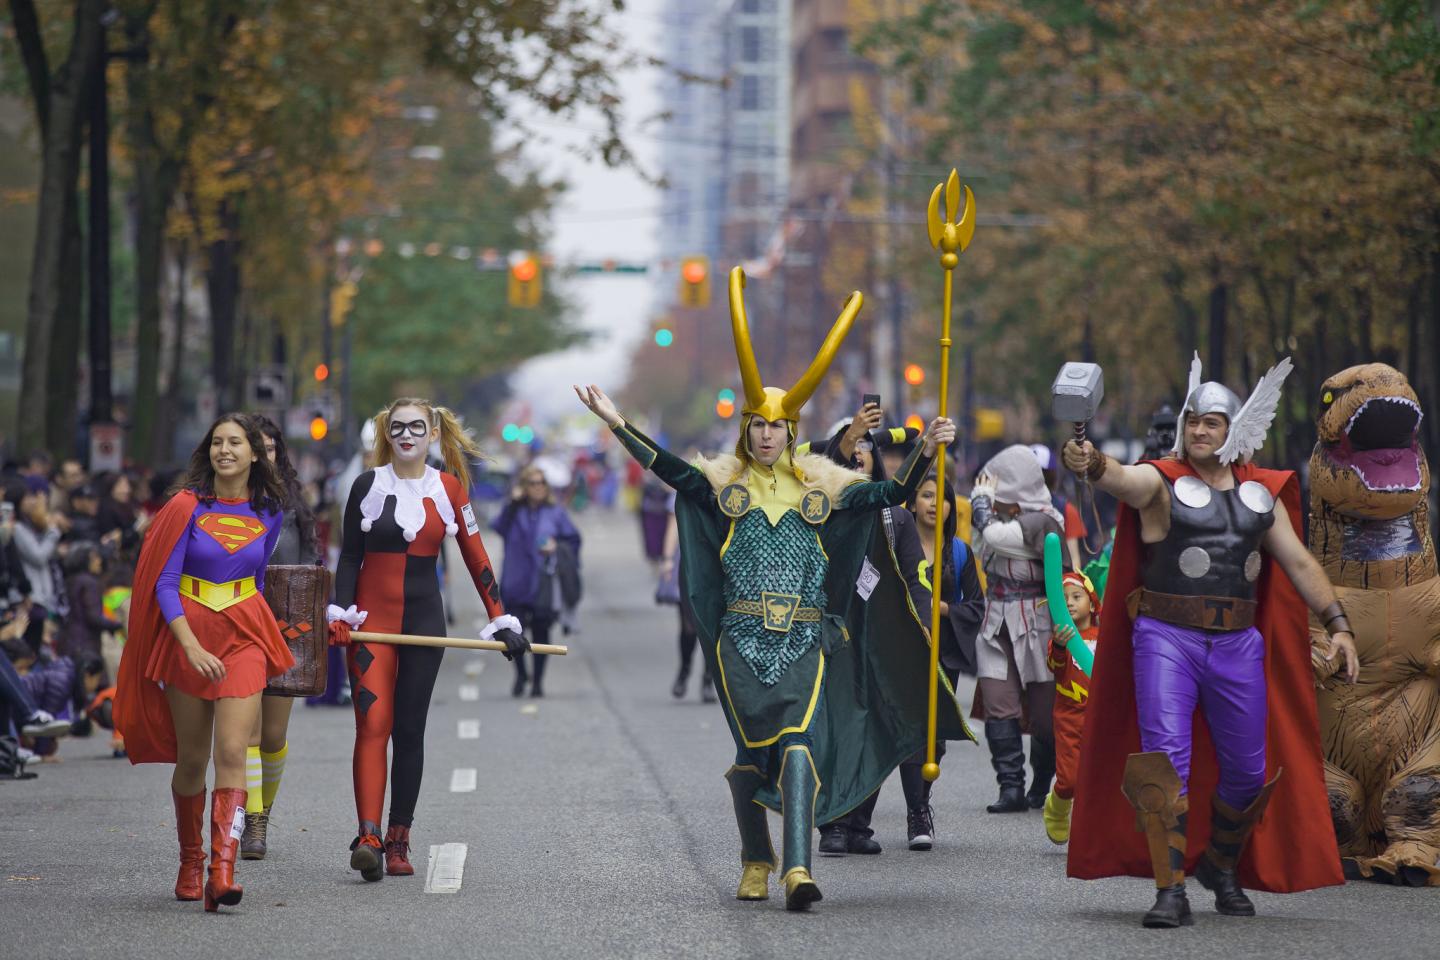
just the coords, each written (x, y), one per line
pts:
(775, 570)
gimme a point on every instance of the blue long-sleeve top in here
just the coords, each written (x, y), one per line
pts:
(525, 528)
(224, 541)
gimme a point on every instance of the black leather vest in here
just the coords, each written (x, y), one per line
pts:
(1213, 548)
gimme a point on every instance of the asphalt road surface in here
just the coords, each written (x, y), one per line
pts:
(599, 826)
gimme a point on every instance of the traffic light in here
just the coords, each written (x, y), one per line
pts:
(525, 282)
(319, 427)
(914, 422)
(989, 424)
(914, 374)
(664, 337)
(695, 282)
(342, 298)
(322, 372)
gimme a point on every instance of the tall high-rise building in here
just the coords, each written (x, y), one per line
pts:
(692, 137)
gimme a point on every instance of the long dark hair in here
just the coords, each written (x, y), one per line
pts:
(266, 493)
(948, 574)
(290, 481)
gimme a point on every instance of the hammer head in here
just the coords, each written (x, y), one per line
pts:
(1077, 392)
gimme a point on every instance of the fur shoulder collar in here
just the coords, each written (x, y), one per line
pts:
(819, 473)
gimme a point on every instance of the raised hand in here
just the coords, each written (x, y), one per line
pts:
(599, 404)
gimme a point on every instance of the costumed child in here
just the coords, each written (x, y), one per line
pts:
(396, 522)
(202, 643)
(1072, 689)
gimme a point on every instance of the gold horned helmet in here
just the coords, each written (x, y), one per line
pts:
(773, 403)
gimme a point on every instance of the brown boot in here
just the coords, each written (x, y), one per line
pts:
(397, 852)
(1153, 789)
(227, 821)
(190, 825)
(1230, 830)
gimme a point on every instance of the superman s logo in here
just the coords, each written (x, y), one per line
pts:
(232, 532)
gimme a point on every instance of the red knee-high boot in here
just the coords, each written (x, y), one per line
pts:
(227, 822)
(190, 825)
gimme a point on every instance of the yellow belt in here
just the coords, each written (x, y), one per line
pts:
(778, 611)
(217, 596)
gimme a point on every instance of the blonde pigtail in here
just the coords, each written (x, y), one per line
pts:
(457, 444)
(382, 451)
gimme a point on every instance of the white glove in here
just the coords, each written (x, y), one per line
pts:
(982, 490)
(504, 622)
(351, 615)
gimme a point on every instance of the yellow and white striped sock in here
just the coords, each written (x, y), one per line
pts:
(253, 781)
(273, 768)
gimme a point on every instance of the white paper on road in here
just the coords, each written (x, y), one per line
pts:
(462, 780)
(469, 729)
(469, 691)
(446, 867)
(867, 581)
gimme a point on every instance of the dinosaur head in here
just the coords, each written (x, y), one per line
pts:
(1368, 462)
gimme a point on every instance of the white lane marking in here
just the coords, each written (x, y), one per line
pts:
(474, 667)
(469, 691)
(529, 710)
(446, 867)
(469, 730)
(462, 780)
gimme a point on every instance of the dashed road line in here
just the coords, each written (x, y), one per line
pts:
(446, 868)
(462, 780)
(469, 729)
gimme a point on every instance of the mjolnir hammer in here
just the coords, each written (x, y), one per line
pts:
(1076, 395)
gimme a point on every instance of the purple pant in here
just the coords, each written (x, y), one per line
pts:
(1177, 668)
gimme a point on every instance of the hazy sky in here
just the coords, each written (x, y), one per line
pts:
(606, 214)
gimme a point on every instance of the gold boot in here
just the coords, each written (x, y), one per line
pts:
(800, 889)
(1056, 815)
(754, 881)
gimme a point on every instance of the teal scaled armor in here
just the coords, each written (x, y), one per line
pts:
(785, 559)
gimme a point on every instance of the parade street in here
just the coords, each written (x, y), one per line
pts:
(596, 824)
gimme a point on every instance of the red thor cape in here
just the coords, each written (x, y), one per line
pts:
(142, 716)
(1293, 847)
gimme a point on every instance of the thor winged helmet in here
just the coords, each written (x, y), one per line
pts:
(1249, 421)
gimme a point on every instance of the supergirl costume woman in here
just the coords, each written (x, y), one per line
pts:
(395, 525)
(773, 547)
(202, 643)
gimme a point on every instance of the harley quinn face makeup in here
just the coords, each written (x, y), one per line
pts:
(410, 433)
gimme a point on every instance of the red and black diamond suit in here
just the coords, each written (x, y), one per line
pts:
(393, 532)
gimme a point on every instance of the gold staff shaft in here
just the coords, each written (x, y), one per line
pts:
(940, 545)
(463, 643)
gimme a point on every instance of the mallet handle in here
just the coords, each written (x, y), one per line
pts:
(463, 643)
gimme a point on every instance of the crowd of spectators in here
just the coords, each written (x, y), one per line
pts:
(68, 543)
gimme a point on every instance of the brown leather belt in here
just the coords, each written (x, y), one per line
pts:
(1215, 614)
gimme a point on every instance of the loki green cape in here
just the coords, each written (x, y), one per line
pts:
(874, 699)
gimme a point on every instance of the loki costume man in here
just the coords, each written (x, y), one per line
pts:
(774, 550)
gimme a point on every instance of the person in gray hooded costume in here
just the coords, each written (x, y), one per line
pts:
(1012, 513)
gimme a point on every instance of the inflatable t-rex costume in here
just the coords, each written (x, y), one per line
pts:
(1370, 529)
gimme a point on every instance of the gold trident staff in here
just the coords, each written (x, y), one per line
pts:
(950, 236)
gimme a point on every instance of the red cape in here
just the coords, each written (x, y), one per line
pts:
(141, 714)
(1293, 848)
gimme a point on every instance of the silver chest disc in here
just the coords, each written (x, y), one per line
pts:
(1252, 566)
(1256, 497)
(1193, 492)
(1194, 562)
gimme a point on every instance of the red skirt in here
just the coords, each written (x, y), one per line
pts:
(245, 638)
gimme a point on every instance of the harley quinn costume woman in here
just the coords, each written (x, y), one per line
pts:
(395, 525)
(202, 643)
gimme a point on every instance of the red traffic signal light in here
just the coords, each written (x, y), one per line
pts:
(319, 428)
(322, 372)
(524, 270)
(914, 374)
(694, 271)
